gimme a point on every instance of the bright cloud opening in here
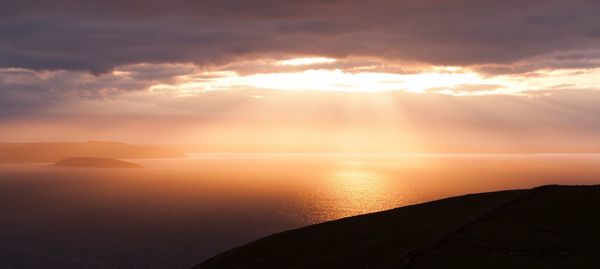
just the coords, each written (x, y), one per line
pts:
(324, 80)
(307, 61)
(347, 76)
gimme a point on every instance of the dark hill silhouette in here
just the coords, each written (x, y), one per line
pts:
(52, 152)
(545, 227)
(95, 162)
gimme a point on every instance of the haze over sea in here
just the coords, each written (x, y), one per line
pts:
(176, 212)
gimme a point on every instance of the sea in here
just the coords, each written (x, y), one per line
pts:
(176, 213)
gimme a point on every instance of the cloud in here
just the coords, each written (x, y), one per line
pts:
(467, 89)
(71, 68)
(29, 91)
(98, 36)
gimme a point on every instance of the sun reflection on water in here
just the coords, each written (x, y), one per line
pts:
(357, 191)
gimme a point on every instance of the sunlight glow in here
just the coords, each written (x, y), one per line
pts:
(300, 74)
(337, 80)
(307, 61)
(326, 80)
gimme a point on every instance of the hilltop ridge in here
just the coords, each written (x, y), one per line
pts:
(95, 162)
(544, 227)
(50, 152)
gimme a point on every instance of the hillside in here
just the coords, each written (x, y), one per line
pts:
(95, 162)
(54, 151)
(545, 227)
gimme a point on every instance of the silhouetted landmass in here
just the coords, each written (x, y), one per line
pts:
(545, 227)
(429, 147)
(95, 162)
(52, 152)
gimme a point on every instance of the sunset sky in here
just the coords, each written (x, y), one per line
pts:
(278, 75)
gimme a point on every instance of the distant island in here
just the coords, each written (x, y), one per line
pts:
(544, 227)
(95, 162)
(50, 152)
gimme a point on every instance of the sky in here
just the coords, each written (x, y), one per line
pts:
(329, 75)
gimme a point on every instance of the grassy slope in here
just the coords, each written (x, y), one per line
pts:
(551, 227)
(378, 240)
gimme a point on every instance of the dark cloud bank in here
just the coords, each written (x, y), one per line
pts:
(101, 35)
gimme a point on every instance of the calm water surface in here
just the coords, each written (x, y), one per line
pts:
(177, 212)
